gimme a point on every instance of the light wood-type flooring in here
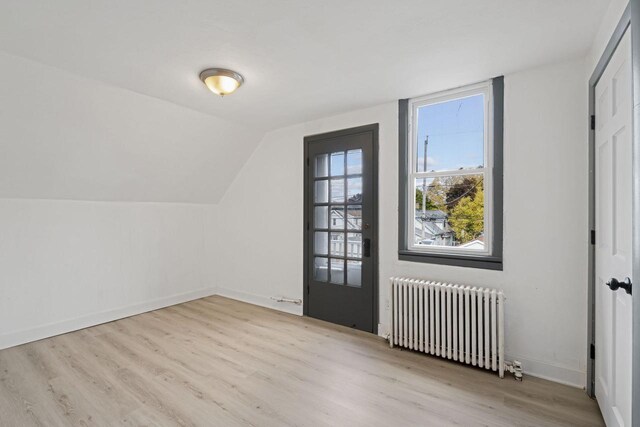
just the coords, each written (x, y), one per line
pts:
(220, 362)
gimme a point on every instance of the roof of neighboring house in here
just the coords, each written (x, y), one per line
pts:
(431, 227)
(350, 215)
(474, 244)
(432, 214)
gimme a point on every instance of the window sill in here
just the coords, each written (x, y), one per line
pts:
(483, 262)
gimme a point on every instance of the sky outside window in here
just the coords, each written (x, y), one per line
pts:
(456, 135)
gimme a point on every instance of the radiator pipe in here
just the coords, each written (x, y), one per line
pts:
(289, 300)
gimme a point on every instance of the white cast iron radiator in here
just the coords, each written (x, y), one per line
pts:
(456, 322)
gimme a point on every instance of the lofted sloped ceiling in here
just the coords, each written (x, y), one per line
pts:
(101, 100)
(63, 136)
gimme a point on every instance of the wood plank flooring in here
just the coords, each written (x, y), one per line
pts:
(219, 362)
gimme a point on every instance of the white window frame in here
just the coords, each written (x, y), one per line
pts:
(485, 89)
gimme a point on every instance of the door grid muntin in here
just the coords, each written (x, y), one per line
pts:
(337, 229)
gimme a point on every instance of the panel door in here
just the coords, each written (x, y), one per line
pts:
(613, 238)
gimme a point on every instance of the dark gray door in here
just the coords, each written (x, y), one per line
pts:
(340, 227)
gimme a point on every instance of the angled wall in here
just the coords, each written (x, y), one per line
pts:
(107, 200)
(68, 137)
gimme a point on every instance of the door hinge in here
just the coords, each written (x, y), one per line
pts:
(593, 122)
(592, 352)
(307, 226)
(593, 237)
(308, 162)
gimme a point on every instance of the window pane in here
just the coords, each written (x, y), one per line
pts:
(322, 191)
(337, 271)
(354, 217)
(337, 244)
(450, 135)
(451, 214)
(337, 164)
(322, 165)
(337, 190)
(321, 269)
(320, 243)
(354, 190)
(354, 273)
(354, 162)
(337, 217)
(320, 217)
(354, 245)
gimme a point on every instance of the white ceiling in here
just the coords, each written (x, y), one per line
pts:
(301, 59)
(100, 99)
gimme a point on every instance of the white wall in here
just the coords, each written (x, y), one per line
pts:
(70, 264)
(545, 211)
(67, 264)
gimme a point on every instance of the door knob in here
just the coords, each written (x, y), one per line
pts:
(614, 285)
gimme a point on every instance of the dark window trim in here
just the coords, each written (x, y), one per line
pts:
(490, 262)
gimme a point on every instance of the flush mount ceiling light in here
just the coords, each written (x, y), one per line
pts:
(221, 81)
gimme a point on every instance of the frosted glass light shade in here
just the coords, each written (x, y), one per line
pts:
(220, 81)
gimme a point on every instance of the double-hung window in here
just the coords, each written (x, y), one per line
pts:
(451, 176)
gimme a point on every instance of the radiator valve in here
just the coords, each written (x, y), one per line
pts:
(515, 368)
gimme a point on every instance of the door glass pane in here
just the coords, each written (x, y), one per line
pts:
(354, 190)
(320, 243)
(322, 191)
(354, 217)
(337, 164)
(354, 245)
(321, 269)
(337, 271)
(337, 190)
(337, 244)
(337, 217)
(354, 162)
(322, 165)
(354, 273)
(450, 135)
(320, 217)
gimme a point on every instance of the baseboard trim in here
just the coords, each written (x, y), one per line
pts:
(532, 367)
(13, 339)
(545, 370)
(535, 368)
(261, 300)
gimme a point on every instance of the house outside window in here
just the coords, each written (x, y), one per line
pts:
(451, 176)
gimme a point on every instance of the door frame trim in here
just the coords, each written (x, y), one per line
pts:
(635, 62)
(374, 129)
(630, 18)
